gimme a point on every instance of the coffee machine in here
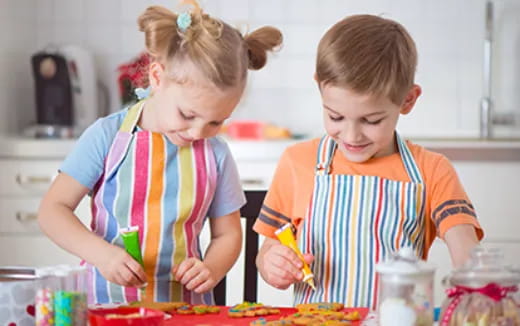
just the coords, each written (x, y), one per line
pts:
(66, 92)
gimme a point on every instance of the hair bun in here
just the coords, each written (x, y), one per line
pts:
(260, 41)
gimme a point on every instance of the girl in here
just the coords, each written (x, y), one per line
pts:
(158, 166)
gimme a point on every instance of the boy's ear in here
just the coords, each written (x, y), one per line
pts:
(410, 99)
(155, 74)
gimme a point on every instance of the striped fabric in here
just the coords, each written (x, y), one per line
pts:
(352, 223)
(165, 190)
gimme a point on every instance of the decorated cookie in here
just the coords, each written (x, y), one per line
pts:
(251, 309)
(322, 306)
(163, 306)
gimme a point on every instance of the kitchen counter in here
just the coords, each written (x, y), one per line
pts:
(454, 148)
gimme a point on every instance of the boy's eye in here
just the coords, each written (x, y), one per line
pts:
(216, 123)
(335, 118)
(184, 116)
(372, 122)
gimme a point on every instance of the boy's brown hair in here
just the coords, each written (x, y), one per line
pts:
(368, 54)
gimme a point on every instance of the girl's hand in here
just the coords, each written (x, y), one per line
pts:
(117, 266)
(194, 275)
(279, 265)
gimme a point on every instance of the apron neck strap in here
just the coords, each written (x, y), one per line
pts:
(132, 116)
(409, 162)
(328, 146)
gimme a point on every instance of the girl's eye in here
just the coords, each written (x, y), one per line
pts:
(335, 118)
(185, 117)
(375, 122)
(215, 124)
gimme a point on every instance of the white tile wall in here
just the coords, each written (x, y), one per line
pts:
(448, 33)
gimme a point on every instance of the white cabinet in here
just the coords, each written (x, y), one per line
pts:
(493, 189)
(23, 181)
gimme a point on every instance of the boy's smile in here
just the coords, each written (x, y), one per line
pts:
(362, 125)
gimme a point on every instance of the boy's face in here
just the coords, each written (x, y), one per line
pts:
(362, 125)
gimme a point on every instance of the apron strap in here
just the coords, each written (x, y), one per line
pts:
(132, 116)
(328, 146)
(409, 162)
(325, 154)
(123, 139)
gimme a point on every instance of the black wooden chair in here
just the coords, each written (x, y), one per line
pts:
(250, 212)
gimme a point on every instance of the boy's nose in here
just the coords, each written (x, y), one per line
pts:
(352, 133)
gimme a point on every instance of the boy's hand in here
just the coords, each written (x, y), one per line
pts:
(117, 266)
(194, 275)
(280, 266)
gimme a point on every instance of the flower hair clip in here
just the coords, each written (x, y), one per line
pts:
(143, 93)
(184, 21)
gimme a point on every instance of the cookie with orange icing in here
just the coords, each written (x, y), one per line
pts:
(251, 309)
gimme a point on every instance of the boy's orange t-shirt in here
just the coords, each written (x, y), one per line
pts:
(446, 203)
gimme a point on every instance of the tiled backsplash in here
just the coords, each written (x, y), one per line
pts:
(449, 35)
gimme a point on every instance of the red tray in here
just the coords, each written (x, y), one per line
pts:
(222, 318)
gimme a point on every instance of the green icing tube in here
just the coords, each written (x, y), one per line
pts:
(130, 237)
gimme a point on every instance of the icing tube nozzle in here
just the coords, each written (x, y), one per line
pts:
(286, 237)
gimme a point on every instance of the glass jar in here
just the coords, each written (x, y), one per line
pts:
(482, 292)
(405, 296)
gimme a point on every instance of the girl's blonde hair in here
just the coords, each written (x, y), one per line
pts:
(368, 54)
(218, 51)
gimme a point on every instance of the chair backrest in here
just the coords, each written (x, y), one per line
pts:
(250, 212)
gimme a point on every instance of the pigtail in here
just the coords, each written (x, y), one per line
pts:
(259, 42)
(160, 28)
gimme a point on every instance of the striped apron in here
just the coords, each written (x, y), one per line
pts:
(355, 221)
(166, 191)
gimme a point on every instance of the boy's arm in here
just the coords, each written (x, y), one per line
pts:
(452, 212)
(461, 239)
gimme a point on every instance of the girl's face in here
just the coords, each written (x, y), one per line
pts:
(362, 125)
(191, 111)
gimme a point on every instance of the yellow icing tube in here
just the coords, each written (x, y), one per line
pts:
(286, 237)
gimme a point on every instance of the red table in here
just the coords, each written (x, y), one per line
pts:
(222, 318)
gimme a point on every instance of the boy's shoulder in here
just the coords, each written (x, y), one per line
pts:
(427, 159)
(304, 151)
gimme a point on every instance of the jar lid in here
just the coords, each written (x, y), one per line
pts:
(485, 265)
(405, 262)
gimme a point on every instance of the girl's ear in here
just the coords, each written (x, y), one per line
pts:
(410, 99)
(155, 74)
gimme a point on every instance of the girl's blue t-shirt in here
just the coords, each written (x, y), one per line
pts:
(85, 163)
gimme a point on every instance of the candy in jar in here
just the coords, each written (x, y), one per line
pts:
(405, 296)
(482, 292)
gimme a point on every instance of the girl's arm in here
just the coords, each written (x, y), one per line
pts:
(57, 219)
(461, 239)
(223, 250)
(225, 244)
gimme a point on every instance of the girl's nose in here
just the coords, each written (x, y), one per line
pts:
(198, 133)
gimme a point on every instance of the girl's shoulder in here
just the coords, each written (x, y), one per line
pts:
(219, 146)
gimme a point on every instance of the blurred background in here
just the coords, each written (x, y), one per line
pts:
(449, 34)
